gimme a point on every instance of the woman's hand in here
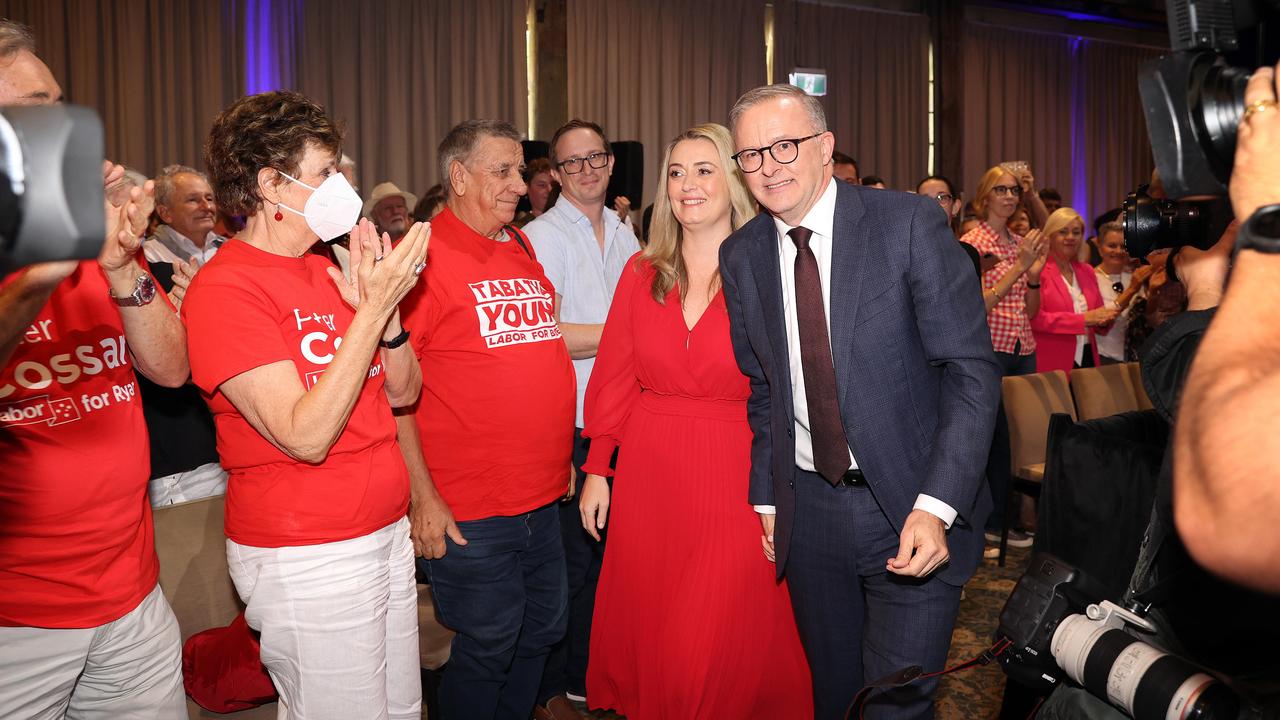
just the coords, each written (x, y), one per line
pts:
(379, 276)
(1142, 274)
(127, 223)
(593, 506)
(1030, 250)
(1100, 316)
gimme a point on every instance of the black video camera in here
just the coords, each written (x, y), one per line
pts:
(51, 195)
(1058, 626)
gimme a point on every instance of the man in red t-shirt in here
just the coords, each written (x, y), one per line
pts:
(495, 426)
(83, 624)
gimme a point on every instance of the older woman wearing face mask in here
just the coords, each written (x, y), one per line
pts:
(1071, 311)
(301, 367)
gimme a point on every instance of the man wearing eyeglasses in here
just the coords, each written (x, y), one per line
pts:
(583, 248)
(873, 396)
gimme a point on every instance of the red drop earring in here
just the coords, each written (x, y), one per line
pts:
(279, 215)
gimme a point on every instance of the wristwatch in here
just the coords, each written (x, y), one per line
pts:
(1261, 231)
(396, 341)
(144, 291)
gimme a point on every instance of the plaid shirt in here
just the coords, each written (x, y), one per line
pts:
(1008, 319)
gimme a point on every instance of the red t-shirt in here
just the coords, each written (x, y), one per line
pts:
(248, 308)
(76, 542)
(497, 407)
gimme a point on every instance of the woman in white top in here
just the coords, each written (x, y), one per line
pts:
(1119, 287)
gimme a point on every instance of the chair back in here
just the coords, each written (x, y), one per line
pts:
(1106, 390)
(1029, 400)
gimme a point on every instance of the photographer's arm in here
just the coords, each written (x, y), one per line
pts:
(1226, 495)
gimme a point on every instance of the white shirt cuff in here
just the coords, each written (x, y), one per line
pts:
(766, 509)
(934, 506)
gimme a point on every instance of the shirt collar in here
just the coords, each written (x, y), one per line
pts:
(575, 216)
(820, 218)
(182, 246)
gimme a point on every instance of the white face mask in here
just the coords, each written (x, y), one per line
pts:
(332, 209)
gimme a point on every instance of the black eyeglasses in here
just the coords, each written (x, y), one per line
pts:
(1002, 190)
(944, 199)
(783, 152)
(573, 165)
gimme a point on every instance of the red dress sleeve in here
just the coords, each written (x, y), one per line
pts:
(614, 384)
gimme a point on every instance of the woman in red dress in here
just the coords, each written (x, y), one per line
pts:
(689, 621)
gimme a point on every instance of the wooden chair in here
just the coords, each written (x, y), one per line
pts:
(1029, 401)
(1107, 390)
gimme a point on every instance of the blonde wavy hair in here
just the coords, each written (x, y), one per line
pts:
(985, 186)
(1058, 220)
(666, 237)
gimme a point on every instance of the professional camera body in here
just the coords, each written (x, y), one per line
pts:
(1058, 626)
(1193, 100)
(51, 196)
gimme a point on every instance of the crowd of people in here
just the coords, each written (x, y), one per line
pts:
(734, 461)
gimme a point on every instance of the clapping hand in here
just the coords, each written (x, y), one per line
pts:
(183, 273)
(126, 223)
(379, 273)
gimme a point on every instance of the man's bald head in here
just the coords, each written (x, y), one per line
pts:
(24, 79)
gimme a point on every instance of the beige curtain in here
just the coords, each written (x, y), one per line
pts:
(1114, 132)
(400, 73)
(648, 69)
(1067, 105)
(157, 71)
(1018, 94)
(877, 82)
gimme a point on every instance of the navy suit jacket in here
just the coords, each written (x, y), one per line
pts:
(917, 378)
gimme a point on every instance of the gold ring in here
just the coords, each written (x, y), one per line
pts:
(1259, 106)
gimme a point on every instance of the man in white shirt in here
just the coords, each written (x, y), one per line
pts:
(188, 212)
(583, 247)
(860, 324)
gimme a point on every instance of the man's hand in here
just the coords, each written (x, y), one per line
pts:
(183, 273)
(923, 547)
(1204, 272)
(573, 485)
(622, 206)
(766, 538)
(126, 225)
(1255, 177)
(430, 519)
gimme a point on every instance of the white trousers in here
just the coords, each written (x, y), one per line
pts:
(339, 624)
(127, 669)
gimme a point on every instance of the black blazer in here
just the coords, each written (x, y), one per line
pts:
(918, 381)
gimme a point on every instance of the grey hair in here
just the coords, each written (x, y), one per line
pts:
(1109, 227)
(464, 138)
(167, 179)
(15, 37)
(811, 105)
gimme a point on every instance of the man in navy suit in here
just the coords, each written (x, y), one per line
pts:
(861, 326)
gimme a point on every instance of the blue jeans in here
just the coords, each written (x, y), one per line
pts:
(505, 594)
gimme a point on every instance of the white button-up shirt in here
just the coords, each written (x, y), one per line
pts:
(169, 245)
(821, 221)
(584, 276)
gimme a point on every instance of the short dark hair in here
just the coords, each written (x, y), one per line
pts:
(1050, 194)
(575, 124)
(434, 196)
(873, 179)
(535, 166)
(839, 158)
(270, 129)
(463, 139)
(951, 189)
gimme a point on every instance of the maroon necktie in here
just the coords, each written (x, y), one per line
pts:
(830, 449)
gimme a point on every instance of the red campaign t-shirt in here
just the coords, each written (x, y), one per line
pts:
(497, 407)
(248, 308)
(76, 542)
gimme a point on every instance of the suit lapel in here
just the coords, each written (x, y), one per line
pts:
(848, 258)
(765, 267)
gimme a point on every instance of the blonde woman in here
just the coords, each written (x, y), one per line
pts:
(689, 621)
(1071, 311)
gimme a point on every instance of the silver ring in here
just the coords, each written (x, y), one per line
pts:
(417, 269)
(378, 259)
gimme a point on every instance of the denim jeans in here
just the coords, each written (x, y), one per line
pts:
(505, 594)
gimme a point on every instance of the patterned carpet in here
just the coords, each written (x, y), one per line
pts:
(972, 694)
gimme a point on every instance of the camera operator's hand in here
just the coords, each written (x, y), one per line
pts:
(1100, 316)
(1255, 178)
(1204, 272)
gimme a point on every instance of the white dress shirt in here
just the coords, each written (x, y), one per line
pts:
(169, 245)
(821, 220)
